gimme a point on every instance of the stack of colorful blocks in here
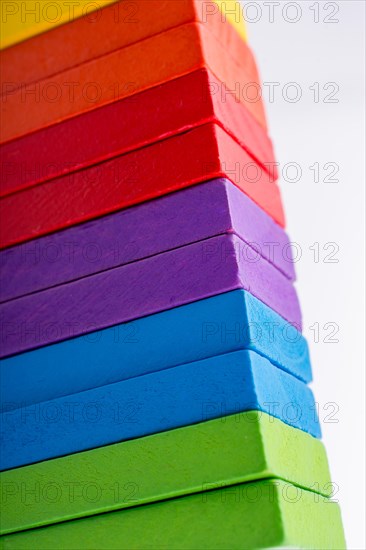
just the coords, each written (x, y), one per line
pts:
(154, 375)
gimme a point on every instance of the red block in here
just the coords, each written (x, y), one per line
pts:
(130, 70)
(129, 124)
(201, 154)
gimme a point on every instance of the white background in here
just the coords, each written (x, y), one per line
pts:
(306, 132)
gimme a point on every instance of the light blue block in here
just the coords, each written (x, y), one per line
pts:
(153, 403)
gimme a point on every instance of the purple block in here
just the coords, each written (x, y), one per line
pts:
(175, 220)
(164, 281)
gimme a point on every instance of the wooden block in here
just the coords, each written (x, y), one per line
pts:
(145, 230)
(130, 124)
(231, 10)
(129, 21)
(222, 324)
(18, 23)
(153, 403)
(226, 451)
(125, 293)
(127, 71)
(115, 27)
(262, 514)
(198, 155)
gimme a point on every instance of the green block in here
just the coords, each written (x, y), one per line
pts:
(230, 450)
(262, 514)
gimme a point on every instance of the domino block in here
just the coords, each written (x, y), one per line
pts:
(176, 398)
(17, 27)
(264, 514)
(164, 281)
(153, 403)
(145, 230)
(214, 326)
(130, 124)
(213, 454)
(115, 27)
(133, 21)
(127, 71)
(196, 156)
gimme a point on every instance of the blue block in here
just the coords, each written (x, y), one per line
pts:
(153, 403)
(221, 324)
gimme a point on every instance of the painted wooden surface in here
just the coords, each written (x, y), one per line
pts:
(217, 207)
(196, 156)
(214, 326)
(130, 124)
(265, 514)
(125, 293)
(226, 451)
(153, 403)
(26, 19)
(127, 71)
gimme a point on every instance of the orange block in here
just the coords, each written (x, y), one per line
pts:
(129, 70)
(23, 19)
(112, 28)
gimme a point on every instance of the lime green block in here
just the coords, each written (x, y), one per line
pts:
(229, 450)
(264, 514)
